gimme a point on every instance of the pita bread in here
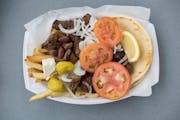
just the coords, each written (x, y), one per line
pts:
(141, 66)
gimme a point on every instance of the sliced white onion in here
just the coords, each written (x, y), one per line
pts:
(125, 63)
(85, 42)
(123, 59)
(78, 70)
(86, 30)
(64, 78)
(117, 48)
(70, 31)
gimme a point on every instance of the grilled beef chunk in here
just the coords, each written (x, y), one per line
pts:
(63, 47)
(118, 56)
(56, 24)
(68, 45)
(129, 67)
(61, 52)
(53, 52)
(76, 47)
(67, 55)
(73, 57)
(87, 78)
(74, 38)
(86, 18)
(64, 39)
(73, 76)
(75, 81)
(83, 88)
(68, 24)
(74, 85)
(52, 42)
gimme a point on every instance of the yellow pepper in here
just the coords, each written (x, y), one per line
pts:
(64, 66)
(55, 85)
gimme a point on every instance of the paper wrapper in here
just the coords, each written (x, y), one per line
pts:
(39, 28)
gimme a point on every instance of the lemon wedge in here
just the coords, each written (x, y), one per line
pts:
(130, 46)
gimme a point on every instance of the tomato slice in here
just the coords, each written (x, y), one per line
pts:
(111, 80)
(107, 31)
(94, 55)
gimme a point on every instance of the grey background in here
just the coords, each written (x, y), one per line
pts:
(164, 104)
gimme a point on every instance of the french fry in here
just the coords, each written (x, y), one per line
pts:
(40, 80)
(37, 52)
(60, 94)
(30, 74)
(43, 50)
(40, 51)
(33, 65)
(40, 95)
(57, 94)
(31, 70)
(38, 58)
(39, 75)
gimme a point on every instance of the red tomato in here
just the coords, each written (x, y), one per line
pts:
(111, 80)
(94, 55)
(108, 31)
